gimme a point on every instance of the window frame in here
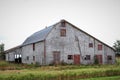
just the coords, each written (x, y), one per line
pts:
(109, 57)
(70, 57)
(87, 57)
(90, 45)
(100, 46)
(62, 32)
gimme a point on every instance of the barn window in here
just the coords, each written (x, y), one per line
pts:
(87, 57)
(62, 23)
(33, 58)
(63, 32)
(109, 57)
(27, 57)
(33, 46)
(99, 47)
(91, 45)
(70, 57)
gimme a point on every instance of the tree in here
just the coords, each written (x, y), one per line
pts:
(2, 56)
(116, 46)
(1, 47)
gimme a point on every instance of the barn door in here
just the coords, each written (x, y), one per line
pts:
(99, 58)
(56, 57)
(77, 59)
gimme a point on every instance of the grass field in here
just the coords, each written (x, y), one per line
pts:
(10, 71)
(104, 78)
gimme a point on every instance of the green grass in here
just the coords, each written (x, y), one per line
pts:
(104, 78)
(10, 71)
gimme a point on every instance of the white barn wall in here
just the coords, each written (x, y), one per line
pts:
(6, 57)
(10, 55)
(84, 41)
(38, 53)
(68, 46)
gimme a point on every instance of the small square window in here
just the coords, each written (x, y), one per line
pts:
(63, 32)
(99, 47)
(90, 44)
(109, 57)
(70, 57)
(87, 57)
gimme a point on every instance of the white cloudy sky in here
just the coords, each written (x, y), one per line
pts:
(21, 18)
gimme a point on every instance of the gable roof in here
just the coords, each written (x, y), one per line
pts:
(38, 36)
(42, 34)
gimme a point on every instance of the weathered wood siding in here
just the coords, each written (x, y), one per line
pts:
(70, 46)
(27, 51)
(10, 55)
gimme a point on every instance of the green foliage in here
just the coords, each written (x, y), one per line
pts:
(104, 78)
(118, 61)
(3, 63)
(1, 47)
(116, 46)
(12, 66)
(2, 56)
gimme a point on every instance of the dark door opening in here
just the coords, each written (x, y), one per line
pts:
(18, 58)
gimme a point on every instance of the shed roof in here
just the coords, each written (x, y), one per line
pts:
(12, 49)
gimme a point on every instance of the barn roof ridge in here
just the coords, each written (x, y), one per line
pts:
(42, 34)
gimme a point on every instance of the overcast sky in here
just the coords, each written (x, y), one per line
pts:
(21, 18)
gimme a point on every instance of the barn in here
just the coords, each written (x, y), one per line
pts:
(63, 42)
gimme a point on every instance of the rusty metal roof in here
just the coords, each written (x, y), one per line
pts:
(38, 36)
